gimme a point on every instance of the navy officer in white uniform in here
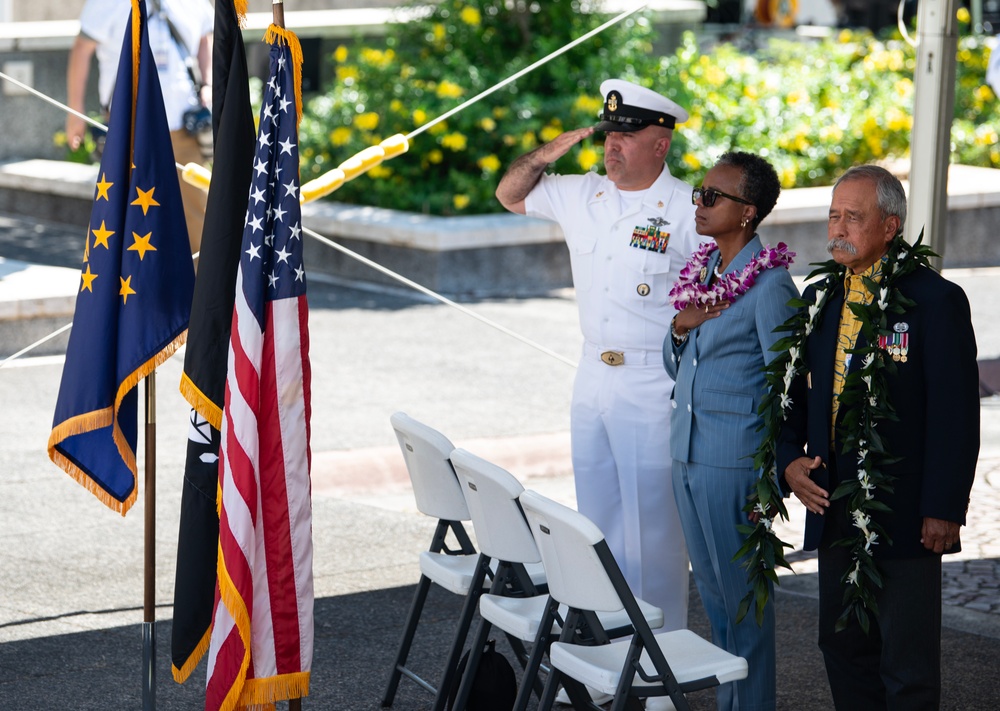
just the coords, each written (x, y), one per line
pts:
(629, 233)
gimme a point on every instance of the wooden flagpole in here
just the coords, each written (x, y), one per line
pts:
(149, 550)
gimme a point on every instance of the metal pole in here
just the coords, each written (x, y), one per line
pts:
(149, 544)
(977, 16)
(933, 108)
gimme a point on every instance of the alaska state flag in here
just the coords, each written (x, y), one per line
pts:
(135, 289)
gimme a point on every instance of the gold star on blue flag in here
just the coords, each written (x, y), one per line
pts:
(136, 283)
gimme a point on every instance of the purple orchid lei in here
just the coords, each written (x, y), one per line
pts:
(689, 289)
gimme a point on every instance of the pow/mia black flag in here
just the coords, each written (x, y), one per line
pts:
(204, 381)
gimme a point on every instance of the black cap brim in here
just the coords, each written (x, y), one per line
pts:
(617, 127)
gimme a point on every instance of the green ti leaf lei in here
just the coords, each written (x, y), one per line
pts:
(864, 402)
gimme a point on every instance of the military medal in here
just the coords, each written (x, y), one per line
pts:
(897, 345)
(651, 237)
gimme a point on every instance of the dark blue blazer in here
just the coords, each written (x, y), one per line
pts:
(936, 397)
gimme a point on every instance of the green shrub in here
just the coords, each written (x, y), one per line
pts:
(431, 65)
(814, 108)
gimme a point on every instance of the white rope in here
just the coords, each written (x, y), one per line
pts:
(526, 70)
(377, 267)
(36, 344)
(44, 97)
(64, 107)
(434, 295)
(354, 255)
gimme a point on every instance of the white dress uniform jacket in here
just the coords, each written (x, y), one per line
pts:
(624, 261)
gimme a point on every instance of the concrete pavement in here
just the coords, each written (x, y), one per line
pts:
(71, 571)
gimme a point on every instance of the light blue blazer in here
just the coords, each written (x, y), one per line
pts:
(719, 370)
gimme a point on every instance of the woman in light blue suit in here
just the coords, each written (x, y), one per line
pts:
(730, 297)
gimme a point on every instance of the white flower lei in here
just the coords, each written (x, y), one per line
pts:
(866, 397)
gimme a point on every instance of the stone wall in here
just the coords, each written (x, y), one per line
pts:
(502, 254)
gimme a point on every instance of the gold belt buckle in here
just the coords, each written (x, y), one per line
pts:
(613, 357)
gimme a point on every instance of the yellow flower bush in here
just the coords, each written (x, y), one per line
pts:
(454, 141)
(340, 136)
(813, 107)
(589, 104)
(367, 121)
(449, 90)
(490, 163)
(470, 16)
(588, 158)
(549, 132)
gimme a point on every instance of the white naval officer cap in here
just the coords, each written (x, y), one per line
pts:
(630, 107)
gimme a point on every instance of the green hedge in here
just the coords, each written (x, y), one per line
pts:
(814, 108)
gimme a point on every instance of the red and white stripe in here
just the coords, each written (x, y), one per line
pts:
(262, 634)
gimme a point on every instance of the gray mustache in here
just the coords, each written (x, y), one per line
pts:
(841, 244)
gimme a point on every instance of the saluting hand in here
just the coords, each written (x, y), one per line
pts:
(561, 144)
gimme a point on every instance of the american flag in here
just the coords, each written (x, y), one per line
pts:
(262, 629)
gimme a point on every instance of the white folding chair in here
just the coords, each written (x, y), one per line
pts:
(583, 575)
(459, 570)
(517, 603)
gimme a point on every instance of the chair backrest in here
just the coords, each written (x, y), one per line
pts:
(566, 540)
(491, 494)
(426, 453)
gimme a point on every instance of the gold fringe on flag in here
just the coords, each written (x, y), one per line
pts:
(241, 12)
(136, 36)
(263, 693)
(230, 597)
(99, 419)
(202, 404)
(277, 34)
(181, 675)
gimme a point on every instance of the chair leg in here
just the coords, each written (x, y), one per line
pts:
(529, 679)
(465, 622)
(627, 703)
(416, 607)
(549, 692)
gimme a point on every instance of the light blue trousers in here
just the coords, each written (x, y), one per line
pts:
(709, 501)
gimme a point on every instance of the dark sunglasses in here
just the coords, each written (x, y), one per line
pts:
(708, 196)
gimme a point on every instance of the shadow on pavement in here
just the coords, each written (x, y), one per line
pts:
(356, 638)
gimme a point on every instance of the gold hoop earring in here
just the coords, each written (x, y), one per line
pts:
(744, 223)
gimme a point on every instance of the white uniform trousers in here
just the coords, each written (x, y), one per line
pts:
(620, 429)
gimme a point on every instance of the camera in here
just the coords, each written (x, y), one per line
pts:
(198, 122)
